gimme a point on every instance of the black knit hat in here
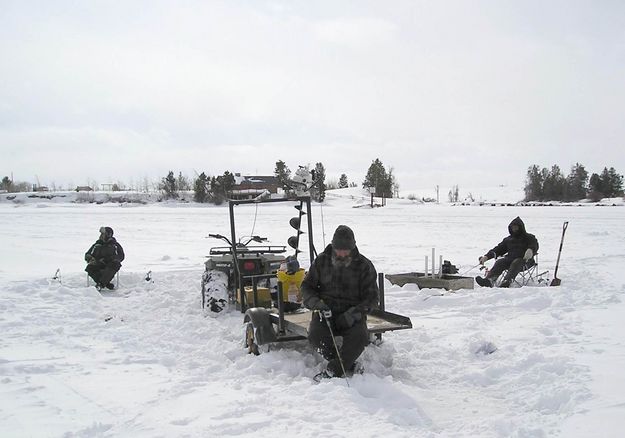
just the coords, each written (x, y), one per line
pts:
(107, 231)
(343, 238)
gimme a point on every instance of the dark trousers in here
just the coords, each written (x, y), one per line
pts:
(514, 266)
(103, 273)
(355, 339)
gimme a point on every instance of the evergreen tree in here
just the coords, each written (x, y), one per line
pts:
(200, 188)
(223, 186)
(606, 185)
(576, 183)
(614, 183)
(6, 184)
(283, 173)
(378, 180)
(595, 188)
(168, 185)
(343, 181)
(554, 184)
(534, 184)
(212, 191)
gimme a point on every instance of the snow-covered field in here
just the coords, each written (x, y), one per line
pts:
(145, 361)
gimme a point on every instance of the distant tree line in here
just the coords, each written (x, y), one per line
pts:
(217, 189)
(551, 184)
(214, 189)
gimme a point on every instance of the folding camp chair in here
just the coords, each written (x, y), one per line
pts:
(116, 280)
(530, 275)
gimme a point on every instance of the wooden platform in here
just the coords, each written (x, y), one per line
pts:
(377, 322)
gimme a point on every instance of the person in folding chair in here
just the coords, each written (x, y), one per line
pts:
(104, 259)
(516, 253)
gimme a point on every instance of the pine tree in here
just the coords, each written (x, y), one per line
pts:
(6, 184)
(343, 181)
(222, 187)
(614, 183)
(576, 183)
(283, 173)
(200, 188)
(168, 185)
(554, 184)
(377, 179)
(534, 184)
(595, 188)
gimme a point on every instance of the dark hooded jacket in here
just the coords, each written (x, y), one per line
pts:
(105, 252)
(341, 287)
(515, 245)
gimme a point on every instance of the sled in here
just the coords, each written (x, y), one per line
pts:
(446, 281)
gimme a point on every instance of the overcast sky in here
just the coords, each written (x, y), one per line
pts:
(444, 92)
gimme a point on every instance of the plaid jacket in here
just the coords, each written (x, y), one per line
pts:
(341, 287)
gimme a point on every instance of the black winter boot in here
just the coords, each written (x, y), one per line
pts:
(484, 282)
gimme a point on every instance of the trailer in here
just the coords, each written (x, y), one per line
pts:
(264, 327)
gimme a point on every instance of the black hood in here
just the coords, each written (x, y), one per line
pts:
(517, 221)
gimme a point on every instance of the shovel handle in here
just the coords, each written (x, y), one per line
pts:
(565, 225)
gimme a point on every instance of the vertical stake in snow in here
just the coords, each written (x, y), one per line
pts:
(433, 263)
(425, 272)
(440, 266)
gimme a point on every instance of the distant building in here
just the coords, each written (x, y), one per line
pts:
(251, 186)
(107, 187)
(84, 189)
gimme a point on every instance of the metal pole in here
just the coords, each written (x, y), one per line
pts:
(338, 353)
(378, 336)
(280, 308)
(311, 245)
(433, 262)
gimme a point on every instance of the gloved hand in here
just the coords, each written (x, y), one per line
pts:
(483, 259)
(528, 254)
(348, 318)
(321, 306)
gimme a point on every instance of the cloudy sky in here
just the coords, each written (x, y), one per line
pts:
(444, 92)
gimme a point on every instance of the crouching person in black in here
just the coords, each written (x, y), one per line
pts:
(517, 253)
(104, 259)
(340, 287)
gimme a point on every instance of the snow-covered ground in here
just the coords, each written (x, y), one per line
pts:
(145, 361)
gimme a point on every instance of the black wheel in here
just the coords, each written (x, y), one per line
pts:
(250, 341)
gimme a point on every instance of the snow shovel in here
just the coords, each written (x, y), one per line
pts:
(556, 281)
